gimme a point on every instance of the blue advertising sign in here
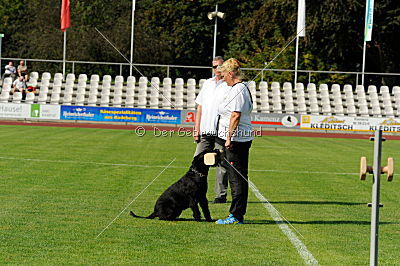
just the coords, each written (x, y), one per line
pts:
(162, 116)
(114, 114)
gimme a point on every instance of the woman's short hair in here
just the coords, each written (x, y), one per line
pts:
(232, 65)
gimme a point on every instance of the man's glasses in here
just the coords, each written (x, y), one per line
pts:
(215, 66)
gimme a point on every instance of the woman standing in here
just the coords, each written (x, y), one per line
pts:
(236, 135)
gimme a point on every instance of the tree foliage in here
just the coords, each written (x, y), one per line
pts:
(178, 32)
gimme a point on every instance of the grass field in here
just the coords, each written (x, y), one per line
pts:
(60, 187)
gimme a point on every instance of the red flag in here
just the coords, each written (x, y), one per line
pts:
(65, 21)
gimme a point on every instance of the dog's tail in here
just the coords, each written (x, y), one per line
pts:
(151, 216)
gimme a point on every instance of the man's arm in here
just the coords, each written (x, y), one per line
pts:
(233, 124)
(196, 131)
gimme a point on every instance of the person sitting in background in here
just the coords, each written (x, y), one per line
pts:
(19, 85)
(10, 71)
(22, 70)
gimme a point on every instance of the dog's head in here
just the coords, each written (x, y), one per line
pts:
(202, 162)
(213, 158)
(208, 158)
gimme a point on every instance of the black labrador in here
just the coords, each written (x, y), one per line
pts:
(189, 191)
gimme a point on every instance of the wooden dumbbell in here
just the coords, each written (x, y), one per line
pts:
(213, 158)
(388, 169)
(364, 168)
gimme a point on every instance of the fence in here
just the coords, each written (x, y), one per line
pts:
(198, 72)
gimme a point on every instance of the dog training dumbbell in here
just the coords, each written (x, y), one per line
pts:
(214, 157)
(388, 169)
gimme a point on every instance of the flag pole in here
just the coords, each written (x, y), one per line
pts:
(132, 26)
(363, 64)
(369, 18)
(65, 51)
(301, 24)
(215, 33)
(296, 60)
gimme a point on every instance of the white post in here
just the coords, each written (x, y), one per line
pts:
(296, 60)
(363, 64)
(132, 26)
(1, 37)
(373, 259)
(215, 32)
(369, 18)
(65, 51)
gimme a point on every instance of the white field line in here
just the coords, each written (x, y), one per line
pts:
(162, 166)
(136, 198)
(301, 248)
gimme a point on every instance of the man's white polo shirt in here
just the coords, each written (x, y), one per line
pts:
(210, 97)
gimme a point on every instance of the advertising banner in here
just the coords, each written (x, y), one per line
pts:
(188, 117)
(14, 110)
(51, 112)
(276, 120)
(114, 114)
(349, 123)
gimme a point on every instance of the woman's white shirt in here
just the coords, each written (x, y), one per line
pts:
(238, 99)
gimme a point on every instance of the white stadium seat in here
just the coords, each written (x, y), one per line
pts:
(67, 99)
(4, 96)
(45, 76)
(117, 101)
(42, 99)
(55, 98)
(82, 78)
(107, 78)
(30, 97)
(70, 76)
(80, 99)
(105, 100)
(58, 76)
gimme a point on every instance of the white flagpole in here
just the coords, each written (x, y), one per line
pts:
(296, 61)
(132, 26)
(369, 18)
(65, 51)
(363, 64)
(301, 24)
(215, 33)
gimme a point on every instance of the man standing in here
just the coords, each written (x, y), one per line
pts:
(205, 130)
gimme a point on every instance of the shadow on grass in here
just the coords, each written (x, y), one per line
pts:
(312, 202)
(272, 222)
(316, 222)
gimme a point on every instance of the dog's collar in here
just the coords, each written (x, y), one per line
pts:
(197, 172)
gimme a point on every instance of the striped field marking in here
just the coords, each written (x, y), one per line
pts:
(162, 166)
(301, 248)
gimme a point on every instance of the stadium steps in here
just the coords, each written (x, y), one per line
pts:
(267, 97)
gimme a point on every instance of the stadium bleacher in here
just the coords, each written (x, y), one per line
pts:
(267, 97)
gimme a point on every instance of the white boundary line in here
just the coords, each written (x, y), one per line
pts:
(136, 198)
(301, 248)
(176, 167)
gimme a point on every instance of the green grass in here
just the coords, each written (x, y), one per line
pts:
(52, 208)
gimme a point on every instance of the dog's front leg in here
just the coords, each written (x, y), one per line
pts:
(195, 209)
(206, 211)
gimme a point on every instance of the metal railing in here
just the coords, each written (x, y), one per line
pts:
(306, 75)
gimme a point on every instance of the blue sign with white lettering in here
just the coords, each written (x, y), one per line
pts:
(114, 114)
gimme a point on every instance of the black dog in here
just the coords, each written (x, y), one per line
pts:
(187, 192)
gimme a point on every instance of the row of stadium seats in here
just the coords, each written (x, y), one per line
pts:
(268, 98)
